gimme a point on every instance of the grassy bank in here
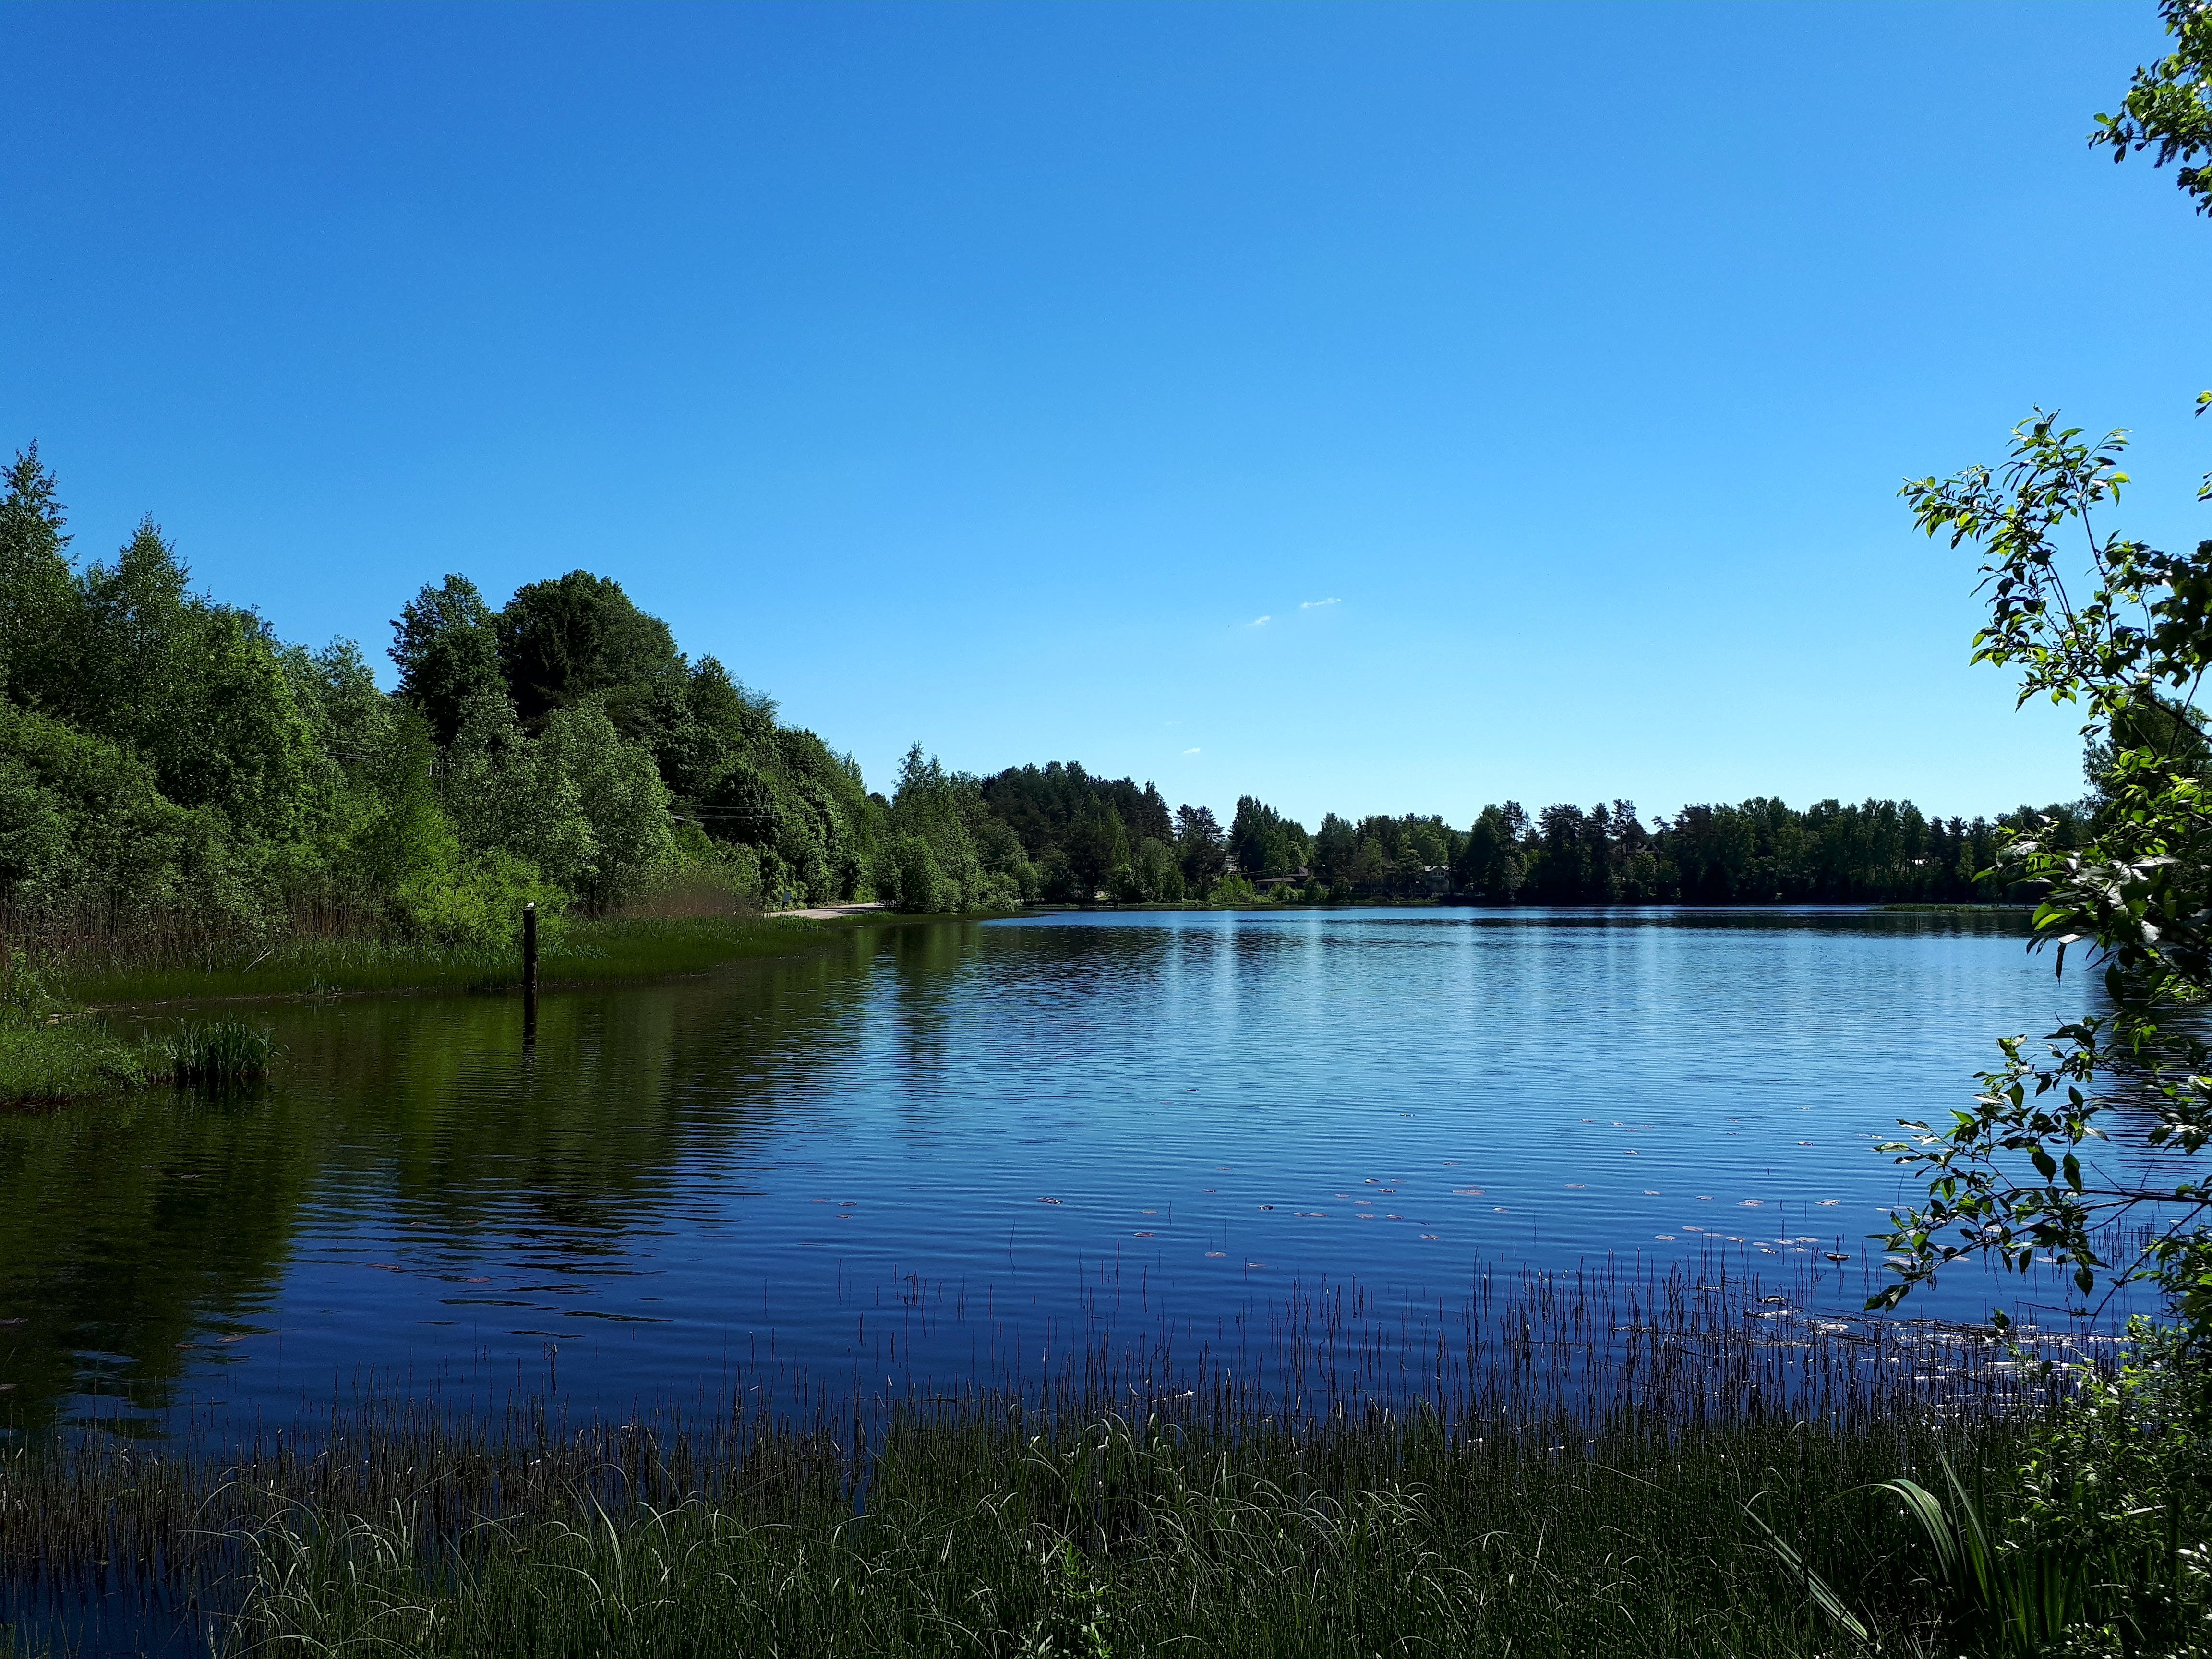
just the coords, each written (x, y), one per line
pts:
(1157, 1529)
(579, 952)
(57, 1058)
(1597, 1465)
(82, 1029)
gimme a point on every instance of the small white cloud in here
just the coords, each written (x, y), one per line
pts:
(1190, 751)
(1316, 604)
(1259, 622)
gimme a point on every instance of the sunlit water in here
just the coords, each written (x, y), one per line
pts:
(951, 1150)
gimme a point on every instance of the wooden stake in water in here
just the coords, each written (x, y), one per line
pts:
(529, 975)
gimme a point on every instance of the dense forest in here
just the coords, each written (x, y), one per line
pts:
(166, 755)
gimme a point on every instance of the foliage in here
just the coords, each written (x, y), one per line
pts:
(1266, 843)
(167, 766)
(447, 653)
(2117, 1494)
(578, 637)
(2169, 107)
(946, 852)
(2126, 635)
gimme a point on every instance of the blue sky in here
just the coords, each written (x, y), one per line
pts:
(1543, 376)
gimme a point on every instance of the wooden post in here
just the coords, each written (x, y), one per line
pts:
(529, 975)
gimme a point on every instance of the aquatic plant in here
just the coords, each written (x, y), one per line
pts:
(1569, 1474)
(220, 1051)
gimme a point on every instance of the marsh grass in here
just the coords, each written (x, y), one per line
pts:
(582, 952)
(1576, 1478)
(219, 1051)
(60, 1058)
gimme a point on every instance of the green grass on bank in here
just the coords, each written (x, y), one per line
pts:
(58, 1058)
(580, 953)
(52, 1059)
(1109, 1536)
(55, 1043)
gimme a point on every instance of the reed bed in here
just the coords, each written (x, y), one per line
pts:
(584, 953)
(1575, 1476)
(219, 1051)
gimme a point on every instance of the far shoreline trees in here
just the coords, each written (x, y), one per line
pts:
(167, 762)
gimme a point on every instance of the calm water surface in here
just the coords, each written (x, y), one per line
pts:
(949, 1149)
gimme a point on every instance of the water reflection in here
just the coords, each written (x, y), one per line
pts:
(1030, 1126)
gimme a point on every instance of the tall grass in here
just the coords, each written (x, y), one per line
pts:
(59, 1058)
(220, 1051)
(50, 1051)
(585, 952)
(1576, 1478)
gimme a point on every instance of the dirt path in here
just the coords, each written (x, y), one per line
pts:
(830, 912)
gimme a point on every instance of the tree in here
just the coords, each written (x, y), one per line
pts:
(1097, 845)
(1200, 847)
(580, 636)
(2169, 107)
(37, 593)
(1152, 876)
(2126, 633)
(446, 651)
(622, 797)
(1490, 864)
(503, 795)
(1264, 843)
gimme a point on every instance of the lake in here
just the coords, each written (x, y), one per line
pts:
(956, 1151)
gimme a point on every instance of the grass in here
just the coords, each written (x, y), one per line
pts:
(57, 1058)
(220, 1051)
(55, 1045)
(1580, 1477)
(1117, 1534)
(583, 952)
(64, 1057)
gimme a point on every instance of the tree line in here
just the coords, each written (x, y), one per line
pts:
(165, 753)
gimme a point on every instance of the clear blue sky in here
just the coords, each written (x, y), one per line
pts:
(981, 374)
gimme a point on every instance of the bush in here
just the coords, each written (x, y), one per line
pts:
(2122, 1483)
(477, 900)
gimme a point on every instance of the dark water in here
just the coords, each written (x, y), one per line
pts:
(950, 1149)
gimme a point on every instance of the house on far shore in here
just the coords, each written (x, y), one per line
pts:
(1296, 878)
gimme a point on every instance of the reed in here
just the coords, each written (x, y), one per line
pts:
(219, 1051)
(1574, 1474)
(319, 964)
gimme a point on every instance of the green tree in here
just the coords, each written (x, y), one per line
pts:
(1490, 864)
(1096, 845)
(1264, 843)
(504, 796)
(2168, 107)
(580, 636)
(2125, 634)
(38, 595)
(622, 797)
(446, 650)
(1202, 849)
